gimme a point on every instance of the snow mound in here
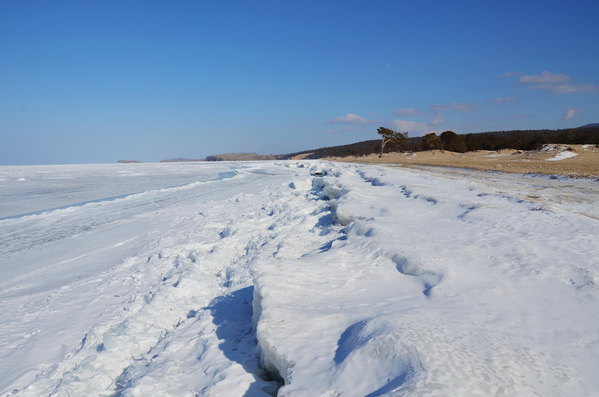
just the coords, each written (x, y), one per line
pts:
(562, 156)
(554, 147)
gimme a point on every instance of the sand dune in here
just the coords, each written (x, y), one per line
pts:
(570, 160)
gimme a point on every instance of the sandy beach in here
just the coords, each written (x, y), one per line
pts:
(581, 161)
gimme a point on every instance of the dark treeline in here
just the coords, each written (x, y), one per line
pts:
(494, 140)
(353, 149)
(531, 139)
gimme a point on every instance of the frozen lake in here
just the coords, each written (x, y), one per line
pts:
(302, 278)
(46, 188)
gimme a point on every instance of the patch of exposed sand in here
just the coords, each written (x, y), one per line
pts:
(569, 160)
(301, 156)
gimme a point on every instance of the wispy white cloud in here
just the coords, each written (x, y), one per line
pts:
(556, 83)
(503, 99)
(438, 119)
(352, 118)
(407, 112)
(574, 88)
(435, 116)
(545, 77)
(456, 106)
(429, 119)
(510, 74)
(438, 111)
(413, 127)
(570, 113)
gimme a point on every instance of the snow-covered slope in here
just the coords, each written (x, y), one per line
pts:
(296, 278)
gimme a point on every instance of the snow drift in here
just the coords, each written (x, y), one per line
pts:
(296, 279)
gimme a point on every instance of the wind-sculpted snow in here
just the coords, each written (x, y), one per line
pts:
(297, 279)
(430, 287)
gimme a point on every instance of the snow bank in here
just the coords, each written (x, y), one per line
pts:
(563, 156)
(432, 287)
(562, 151)
(297, 279)
(149, 294)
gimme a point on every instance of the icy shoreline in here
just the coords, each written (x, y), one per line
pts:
(338, 279)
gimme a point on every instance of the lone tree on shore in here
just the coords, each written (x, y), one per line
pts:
(390, 136)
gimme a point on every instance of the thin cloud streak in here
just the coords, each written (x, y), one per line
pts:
(575, 89)
(545, 77)
(410, 126)
(407, 112)
(556, 83)
(457, 107)
(351, 118)
(503, 99)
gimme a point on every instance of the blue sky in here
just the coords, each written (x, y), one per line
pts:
(98, 81)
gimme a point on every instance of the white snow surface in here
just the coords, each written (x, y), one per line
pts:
(563, 156)
(300, 278)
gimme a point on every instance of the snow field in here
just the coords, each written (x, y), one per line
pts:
(433, 288)
(298, 279)
(173, 318)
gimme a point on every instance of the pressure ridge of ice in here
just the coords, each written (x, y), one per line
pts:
(303, 278)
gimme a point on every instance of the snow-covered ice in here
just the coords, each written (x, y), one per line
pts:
(300, 278)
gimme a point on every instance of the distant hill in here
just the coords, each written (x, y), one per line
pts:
(492, 140)
(128, 161)
(352, 149)
(240, 157)
(179, 160)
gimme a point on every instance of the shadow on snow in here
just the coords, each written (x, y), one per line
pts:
(232, 314)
